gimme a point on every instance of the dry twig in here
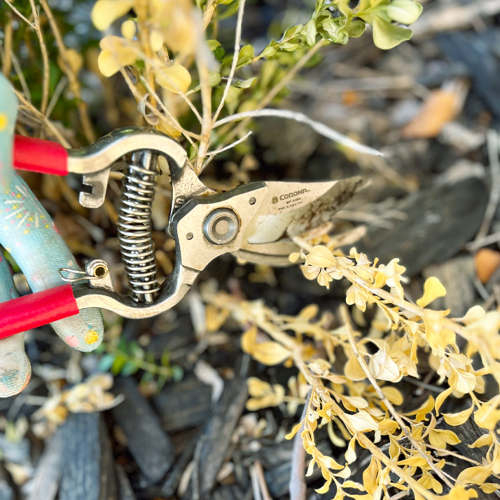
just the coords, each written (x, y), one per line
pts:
(493, 153)
(45, 57)
(234, 63)
(318, 127)
(74, 85)
(297, 486)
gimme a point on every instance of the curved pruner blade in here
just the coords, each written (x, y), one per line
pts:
(292, 209)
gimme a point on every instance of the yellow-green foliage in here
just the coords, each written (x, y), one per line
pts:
(363, 398)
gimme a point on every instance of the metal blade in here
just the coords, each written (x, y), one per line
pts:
(292, 208)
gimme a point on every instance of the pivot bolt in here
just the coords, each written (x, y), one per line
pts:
(221, 226)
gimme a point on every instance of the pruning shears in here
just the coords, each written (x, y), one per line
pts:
(255, 222)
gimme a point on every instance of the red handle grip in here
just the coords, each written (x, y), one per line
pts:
(45, 157)
(36, 309)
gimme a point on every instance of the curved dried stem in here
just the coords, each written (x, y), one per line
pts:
(237, 40)
(45, 57)
(318, 127)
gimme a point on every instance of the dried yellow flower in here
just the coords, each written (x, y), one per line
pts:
(106, 12)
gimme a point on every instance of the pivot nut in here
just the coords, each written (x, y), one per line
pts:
(221, 226)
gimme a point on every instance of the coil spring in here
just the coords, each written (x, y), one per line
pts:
(134, 226)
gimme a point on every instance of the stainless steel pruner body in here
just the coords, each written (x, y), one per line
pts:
(256, 222)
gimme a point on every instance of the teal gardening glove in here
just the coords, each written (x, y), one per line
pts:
(29, 235)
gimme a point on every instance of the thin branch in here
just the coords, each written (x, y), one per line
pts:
(20, 75)
(182, 130)
(318, 127)
(297, 486)
(206, 99)
(156, 64)
(209, 12)
(291, 74)
(55, 96)
(212, 154)
(389, 463)
(418, 446)
(280, 85)
(440, 451)
(482, 242)
(45, 57)
(255, 484)
(7, 58)
(259, 482)
(57, 134)
(74, 85)
(17, 13)
(148, 105)
(493, 153)
(237, 40)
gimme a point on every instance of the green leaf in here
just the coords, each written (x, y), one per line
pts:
(229, 11)
(177, 373)
(356, 28)
(106, 362)
(404, 11)
(12, 262)
(245, 56)
(165, 358)
(122, 345)
(331, 30)
(214, 78)
(269, 51)
(291, 33)
(244, 84)
(147, 377)
(289, 46)
(128, 369)
(162, 380)
(310, 32)
(118, 365)
(232, 99)
(136, 351)
(213, 44)
(267, 73)
(219, 53)
(387, 36)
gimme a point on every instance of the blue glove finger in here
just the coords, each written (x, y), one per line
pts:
(15, 368)
(29, 235)
(8, 112)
